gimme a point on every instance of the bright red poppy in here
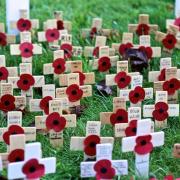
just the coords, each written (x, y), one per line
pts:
(124, 47)
(16, 155)
(104, 64)
(121, 116)
(3, 39)
(169, 41)
(169, 177)
(142, 29)
(90, 143)
(67, 50)
(131, 129)
(59, 66)
(177, 22)
(60, 25)
(162, 75)
(55, 122)
(137, 95)
(26, 49)
(12, 130)
(161, 111)
(33, 169)
(122, 79)
(96, 52)
(44, 104)
(143, 144)
(104, 169)
(25, 82)
(52, 35)
(24, 25)
(82, 77)
(93, 32)
(171, 86)
(148, 51)
(3, 73)
(7, 103)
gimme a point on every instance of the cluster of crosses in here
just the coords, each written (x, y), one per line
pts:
(133, 119)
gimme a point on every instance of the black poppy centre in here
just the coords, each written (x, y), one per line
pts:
(6, 103)
(74, 92)
(136, 95)
(32, 169)
(171, 85)
(119, 118)
(56, 122)
(92, 144)
(25, 81)
(134, 130)
(103, 170)
(143, 142)
(104, 63)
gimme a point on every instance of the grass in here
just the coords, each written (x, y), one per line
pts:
(116, 14)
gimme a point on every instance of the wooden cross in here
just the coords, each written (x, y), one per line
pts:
(161, 110)
(176, 150)
(143, 27)
(142, 144)
(98, 168)
(88, 143)
(32, 160)
(26, 49)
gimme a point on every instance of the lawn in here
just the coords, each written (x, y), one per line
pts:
(116, 14)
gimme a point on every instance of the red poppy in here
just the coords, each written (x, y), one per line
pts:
(162, 75)
(74, 93)
(33, 169)
(161, 111)
(90, 143)
(104, 64)
(12, 130)
(121, 116)
(25, 81)
(122, 79)
(26, 49)
(60, 25)
(171, 86)
(177, 22)
(104, 169)
(143, 144)
(3, 73)
(169, 177)
(44, 104)
(52, 35)
(124, 47)
(7, 103)
(67, 50)
(142, 29)
(96, 52)
(148, 51)
(16, 155)
(169, 41)
(93, 32)
(56, 122)
(59, 66)
(3, 39)
(24, 25)
(82, 77)
(137, 95)
(131, 129)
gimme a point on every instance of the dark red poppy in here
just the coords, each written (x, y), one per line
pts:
(60, 25)
(25, 81)
(104, 169)
(59, 66)
(67, 50)
(137, 95)
(143, 144)
(26, 49)
(7, 103)
(169, 41)
(148, 51)
(122, 79)
(124, 47)
(90, 143)
(12, 130)
(24, 25)
(3, 39)
(55, 121)
(82, 77)
(96, 52)
(33, 169)
(131, 129)
(177, 22)
(121, 116)
(162, 75)
(93, 32)
(171, 86)
(74, 93)
(161, 111)
(52, 35)
(104, 64)
(142, 29)
(44, 104)
(3, 73)
(16, 155)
